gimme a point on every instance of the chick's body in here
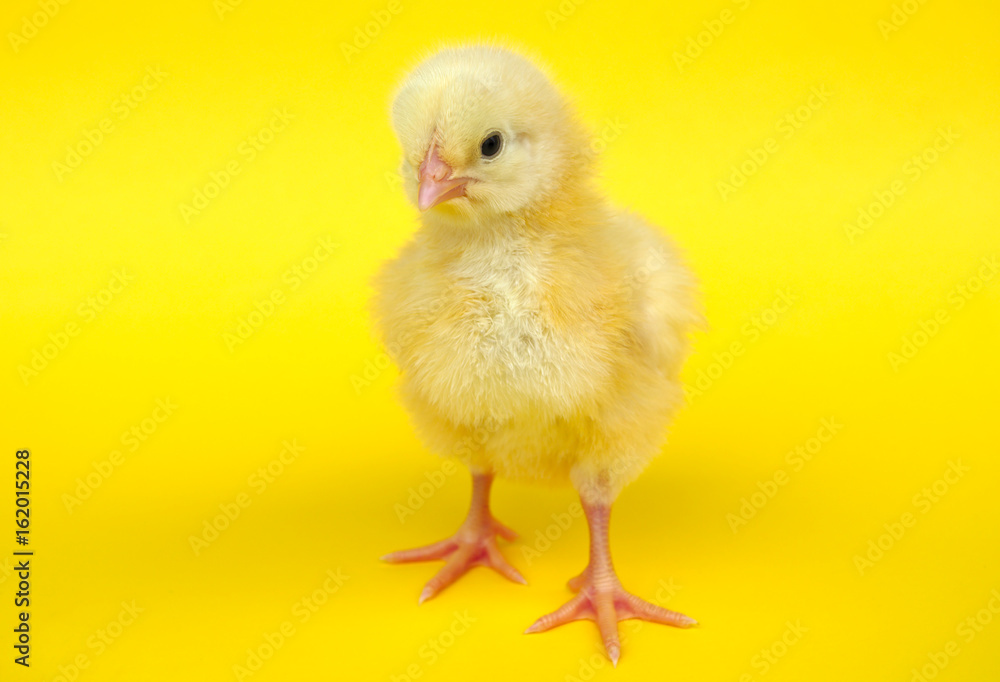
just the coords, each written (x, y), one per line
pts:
(546, 348)
(538, 330)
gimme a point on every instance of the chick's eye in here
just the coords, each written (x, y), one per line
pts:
(490, 147)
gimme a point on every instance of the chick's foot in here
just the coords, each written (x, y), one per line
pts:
(474, 544)
(601, 597)
(607, 605)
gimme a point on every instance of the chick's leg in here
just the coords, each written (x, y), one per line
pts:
(474, 544)
(601, 597)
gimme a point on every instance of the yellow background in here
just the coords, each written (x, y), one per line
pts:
(301, 375)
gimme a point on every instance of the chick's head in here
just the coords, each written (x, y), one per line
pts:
(484, 133)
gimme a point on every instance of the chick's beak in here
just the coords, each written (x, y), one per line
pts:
(436, 183)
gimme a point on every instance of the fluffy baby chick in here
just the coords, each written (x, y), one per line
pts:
(538, 330)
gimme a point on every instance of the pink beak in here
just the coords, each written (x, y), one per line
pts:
(436, 183)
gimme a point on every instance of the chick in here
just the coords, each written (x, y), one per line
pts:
(538, 330)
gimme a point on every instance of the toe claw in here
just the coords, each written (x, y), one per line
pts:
(426, 594)
(570, 611)
(634, 607)
(614, 653)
